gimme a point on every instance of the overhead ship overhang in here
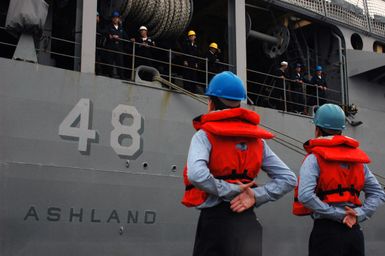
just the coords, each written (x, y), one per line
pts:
(364, 16)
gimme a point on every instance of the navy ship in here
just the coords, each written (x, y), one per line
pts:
(91, 164)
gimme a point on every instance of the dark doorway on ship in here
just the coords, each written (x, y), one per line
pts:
(63, 29)
(309, 44)
(7, 41)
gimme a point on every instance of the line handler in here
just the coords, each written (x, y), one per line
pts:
(331, 178)
(226, 154)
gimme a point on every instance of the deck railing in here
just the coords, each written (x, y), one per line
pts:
(263, 89)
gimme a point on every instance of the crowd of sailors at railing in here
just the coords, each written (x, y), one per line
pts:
(117, 51)
(287, 88)
(291, 91)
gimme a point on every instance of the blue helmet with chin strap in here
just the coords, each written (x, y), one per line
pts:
(318, 68)
(226, 85)
(330, 116)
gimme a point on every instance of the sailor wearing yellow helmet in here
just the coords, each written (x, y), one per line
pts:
(190, 48)
(212, 56)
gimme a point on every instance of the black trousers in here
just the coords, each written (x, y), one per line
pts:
(192, 76)
(331, 238)
(115, 57)
(221, 232)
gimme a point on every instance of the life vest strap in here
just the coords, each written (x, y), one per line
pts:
(340, 190)
(189, 187)
(235, 176)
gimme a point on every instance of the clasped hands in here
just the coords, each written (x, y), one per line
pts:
(351, 217)
(245, 199)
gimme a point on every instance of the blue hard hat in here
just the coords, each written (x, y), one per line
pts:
(298, 65)
(318, 68)
(330, 116)
(115, 14)
(226, 85)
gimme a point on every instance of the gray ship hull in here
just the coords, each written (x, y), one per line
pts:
(57, 200)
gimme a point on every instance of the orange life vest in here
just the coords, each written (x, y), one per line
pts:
(341, 165)
(236, 149)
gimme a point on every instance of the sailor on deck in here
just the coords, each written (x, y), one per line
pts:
(226, 154)
(331, 178)
(115, 34)
(190, 74)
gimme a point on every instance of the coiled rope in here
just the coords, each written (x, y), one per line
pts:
(163, 18)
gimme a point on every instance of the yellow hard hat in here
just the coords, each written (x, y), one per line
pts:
(214, 45)
(191, 33)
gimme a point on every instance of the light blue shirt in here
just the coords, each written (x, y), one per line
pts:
(282, 181)
(309, 173)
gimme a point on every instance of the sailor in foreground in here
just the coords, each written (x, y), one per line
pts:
(226, 154)
(331, 178)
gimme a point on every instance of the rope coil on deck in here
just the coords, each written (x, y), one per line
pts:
(164, 18)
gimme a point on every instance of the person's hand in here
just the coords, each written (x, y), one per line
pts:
(351, 217)
(325, 88)
(243, 201)
(185, 63)
(243, 187)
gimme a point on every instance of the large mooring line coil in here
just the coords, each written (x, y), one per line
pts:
(163, 18)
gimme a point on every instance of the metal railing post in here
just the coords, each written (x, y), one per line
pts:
(367, 15)
(316, 89)
(207, 72)
(304, 91)
(169, 65)
(133, 62)
(284, 94)
(325, 8)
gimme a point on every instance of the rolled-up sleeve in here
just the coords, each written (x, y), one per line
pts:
(283, 180)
